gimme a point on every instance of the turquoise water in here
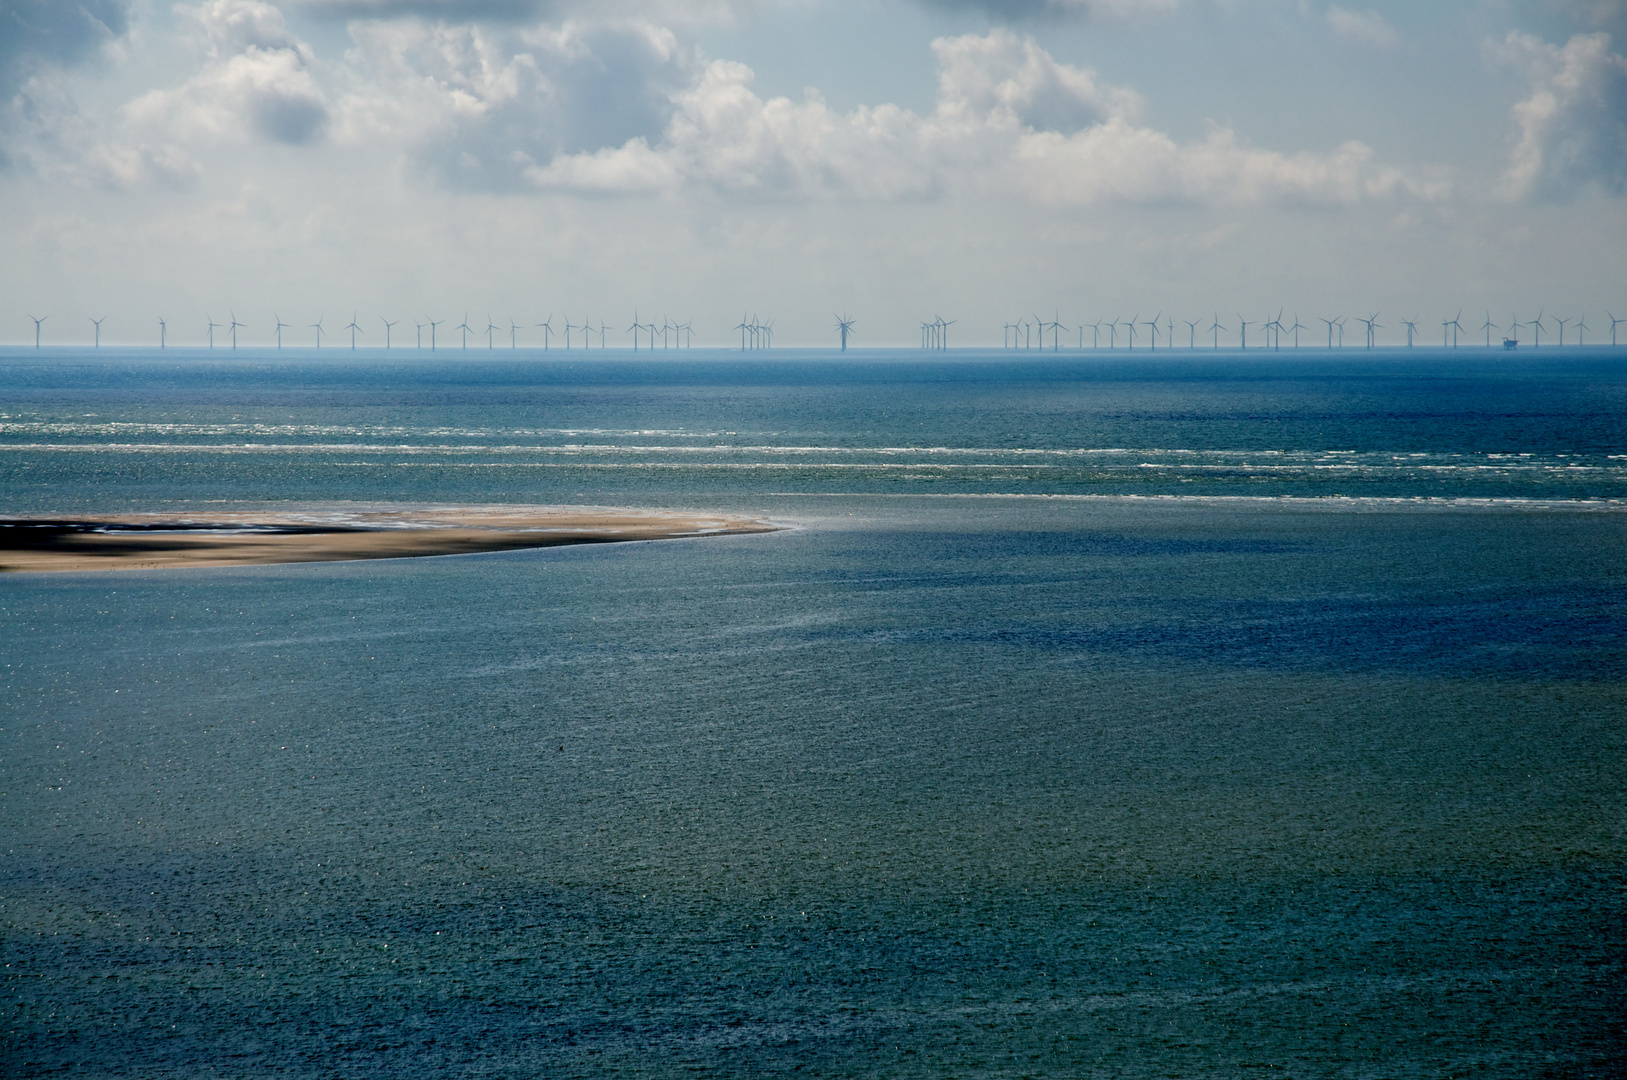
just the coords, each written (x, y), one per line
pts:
(1095, 717)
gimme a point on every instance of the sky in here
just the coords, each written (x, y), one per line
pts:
(983, 161)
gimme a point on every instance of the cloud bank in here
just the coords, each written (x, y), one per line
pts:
(1007, 115)
(1572, 130)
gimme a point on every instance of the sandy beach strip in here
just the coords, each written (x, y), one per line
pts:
(241, 538)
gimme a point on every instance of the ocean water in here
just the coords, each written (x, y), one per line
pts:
(1094, 715)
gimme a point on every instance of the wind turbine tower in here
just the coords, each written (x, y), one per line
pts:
(388, 325)
(280, 325)
(37, 320)
(1613, 322)
(1296, 328)
(1412, 328)
(1488, 328)
(844, 326)
(163, 333)
(491, 328)
(466, 328)
(212, 325)
(317, 326)
(98, 324)
(1215, 329)
(433, 323)
(354, 330)
(234, 328)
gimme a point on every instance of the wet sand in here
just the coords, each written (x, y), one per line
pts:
(240, 538)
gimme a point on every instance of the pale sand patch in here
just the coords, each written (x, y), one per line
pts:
(238, 538)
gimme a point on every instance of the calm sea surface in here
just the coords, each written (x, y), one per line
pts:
(1097, 716)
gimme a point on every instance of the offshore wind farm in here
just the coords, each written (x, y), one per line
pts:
(1025, 334)
(939, 538)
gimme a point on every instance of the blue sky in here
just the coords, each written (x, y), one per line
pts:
(979, 159)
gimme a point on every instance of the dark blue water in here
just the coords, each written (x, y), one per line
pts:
(1097, 718)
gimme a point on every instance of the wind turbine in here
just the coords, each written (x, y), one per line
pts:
(1457, 327)
(1372, 325)
(317, 326)
(1095, 334)
(1242, 331)
(1581, 325)
(1191, 334)
(388, 326)
(354, 330)
(689, 334)
(1561, 323)
(98, 323)
(1341, 325)
(491, 328)
(234, 328)
(1331, 323)
(637, 326)
(1274, 330)
(280, 325)
(1488, 328)
(1296, 328)
(163, 332)
(844, 326)
(466, 328)
(1613, 322)
(420, 328)
(1412, 328)
(569, 326)
(1153, 324)
(1536, 327)
(1132, 326)
(432, 324)
(37, 320)
(212, 325)
(514, 335)
(1216, 329)
(547, 327)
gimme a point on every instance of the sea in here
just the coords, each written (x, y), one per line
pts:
(1094, 714)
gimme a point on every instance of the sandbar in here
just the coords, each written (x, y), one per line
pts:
(241, 538)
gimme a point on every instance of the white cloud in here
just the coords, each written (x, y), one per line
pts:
(257, 85)
(1008, 115)
(1009, 78)
(476, 106)
(1012, 10)
(665, 12)
(1367, 28)
(1572, 130)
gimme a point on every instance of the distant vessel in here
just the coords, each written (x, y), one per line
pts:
(1509, 343)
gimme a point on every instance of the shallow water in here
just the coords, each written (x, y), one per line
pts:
(980, 775)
